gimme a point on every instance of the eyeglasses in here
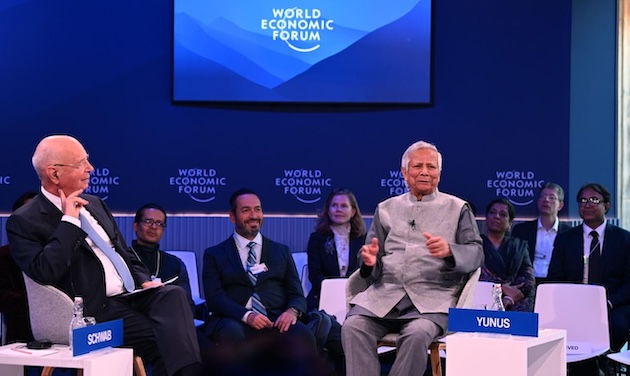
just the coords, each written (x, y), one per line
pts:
(149, 223)
(591, 200)
(549, 197)
(76, 165)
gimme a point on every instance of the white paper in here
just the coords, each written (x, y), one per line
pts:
(168, 281)
(21, 350)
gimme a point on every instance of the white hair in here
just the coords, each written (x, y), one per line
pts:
(49, 149)
(417, 146)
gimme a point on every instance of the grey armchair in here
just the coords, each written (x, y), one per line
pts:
(50, 313)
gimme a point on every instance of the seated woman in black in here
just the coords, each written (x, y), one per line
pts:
(334, 246)
(507, 259)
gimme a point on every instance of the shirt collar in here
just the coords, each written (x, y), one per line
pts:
(600, 229)
(431, 196)
(55, 200)
(148, 248)
(554, 227)
(241, 242)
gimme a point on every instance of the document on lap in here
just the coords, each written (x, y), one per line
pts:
(168, 281)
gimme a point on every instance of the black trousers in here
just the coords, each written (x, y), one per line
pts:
(240, 350)
(158, 325)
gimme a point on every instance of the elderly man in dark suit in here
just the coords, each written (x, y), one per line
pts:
(251, 285)
(597, 253)
(542, 231)
(70, 240)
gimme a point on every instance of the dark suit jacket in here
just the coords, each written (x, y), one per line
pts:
(527, 231)
(55, 252)
(13, 304)
(567, 263)
(227, 286)
(323, 262)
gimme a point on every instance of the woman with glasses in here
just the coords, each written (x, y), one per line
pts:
(507, 259)
(334, 246)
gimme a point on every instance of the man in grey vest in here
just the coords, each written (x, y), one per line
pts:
(420, 249)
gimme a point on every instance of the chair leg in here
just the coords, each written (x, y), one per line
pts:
(48, 371)
(436, 362)
(138, 366)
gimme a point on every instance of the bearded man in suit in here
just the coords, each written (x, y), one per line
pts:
(254, 293)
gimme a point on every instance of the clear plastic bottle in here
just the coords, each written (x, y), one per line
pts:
(497, 298)
(77, 317)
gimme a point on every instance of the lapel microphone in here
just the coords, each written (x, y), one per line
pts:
(412, 223)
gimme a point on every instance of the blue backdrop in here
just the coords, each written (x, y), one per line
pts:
(102, 71)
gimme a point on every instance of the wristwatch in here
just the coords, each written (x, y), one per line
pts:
(298, 313)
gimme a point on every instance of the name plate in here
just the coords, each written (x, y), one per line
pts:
(579, 348)
(94, 337)
(503, 322)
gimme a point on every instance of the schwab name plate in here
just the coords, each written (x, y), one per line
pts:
(94, 337)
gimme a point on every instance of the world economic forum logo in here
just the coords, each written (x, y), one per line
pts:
(305, 185)
(518, 187)
(101, 181)
(5, 180)
(299, 28)
(394, 183)
(198, 183)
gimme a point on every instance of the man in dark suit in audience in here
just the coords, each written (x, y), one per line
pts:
(541, 232)
(596, 253)
(13, 303)
(70, 240)
(251, 286)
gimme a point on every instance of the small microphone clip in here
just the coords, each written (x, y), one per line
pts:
(412, 223)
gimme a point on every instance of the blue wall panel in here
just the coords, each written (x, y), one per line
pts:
(102, 72)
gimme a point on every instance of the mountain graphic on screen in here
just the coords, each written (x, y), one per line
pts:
(221, 61)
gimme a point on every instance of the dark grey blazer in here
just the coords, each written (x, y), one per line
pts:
(55, 252)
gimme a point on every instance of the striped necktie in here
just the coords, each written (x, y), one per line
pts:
(594, 260)
(117, 260)
(257, 304)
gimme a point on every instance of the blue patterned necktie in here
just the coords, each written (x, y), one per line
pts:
(116, 259)
(257, 304)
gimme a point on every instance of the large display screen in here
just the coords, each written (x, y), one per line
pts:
(326, 51)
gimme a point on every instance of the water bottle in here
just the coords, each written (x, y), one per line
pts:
(77, 317)
(497, 298)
